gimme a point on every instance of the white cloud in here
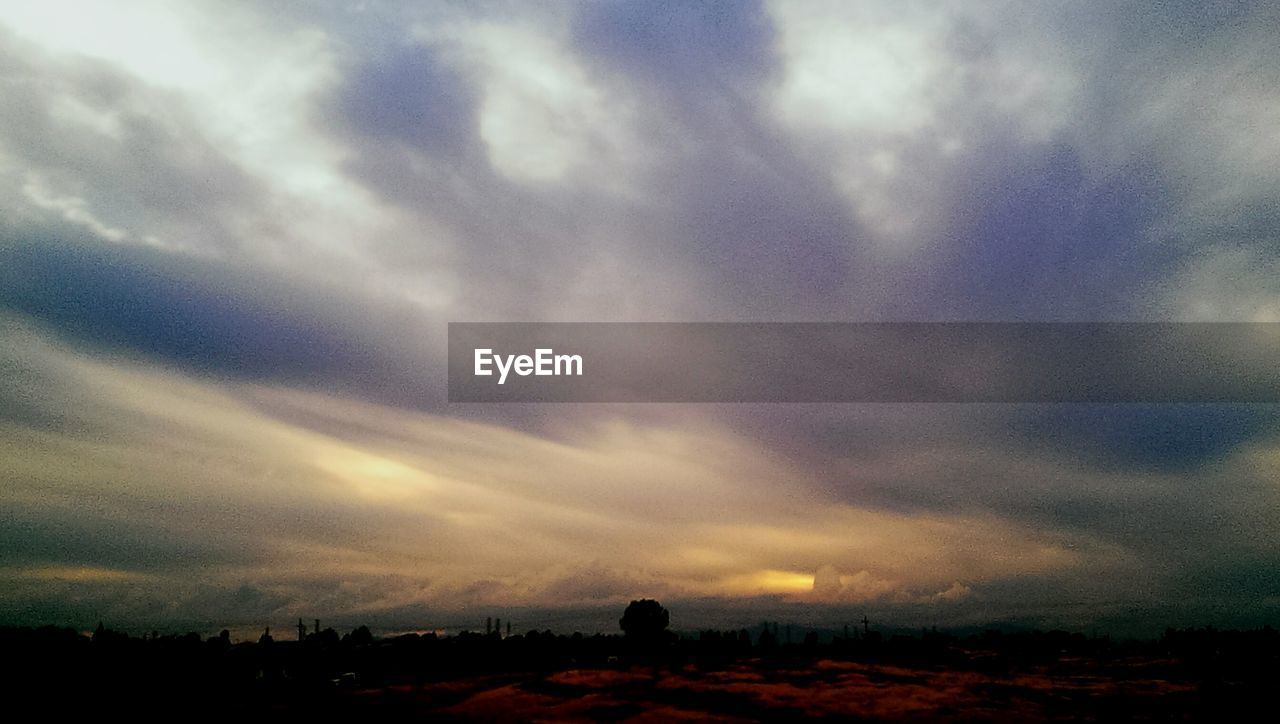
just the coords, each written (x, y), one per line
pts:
(860, 67)
(155, 102)
(1225, 283)
(892, 99)
(544, 117)
(71, 208)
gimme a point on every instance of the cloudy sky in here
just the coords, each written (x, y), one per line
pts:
(232, 234)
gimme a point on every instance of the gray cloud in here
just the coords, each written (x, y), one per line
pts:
(301, 203)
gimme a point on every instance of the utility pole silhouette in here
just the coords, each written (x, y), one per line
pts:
(866, 625)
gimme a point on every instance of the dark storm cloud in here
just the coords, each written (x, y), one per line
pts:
(762, 235)
(181, 310)
(407, 96)
(412, 117)
(1173, 486)
(727, 203)
(1042, 240)
(35, 535)
(771, 242)
(1174, 438)
(704, 53)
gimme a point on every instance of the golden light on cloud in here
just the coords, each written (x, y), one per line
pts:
(455, 513)
(373, 476)
(768, 582)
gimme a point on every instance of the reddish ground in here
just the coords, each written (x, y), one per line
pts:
(752, 691)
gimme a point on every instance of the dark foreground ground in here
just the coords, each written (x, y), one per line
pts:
(751, 690)
(1195, 675)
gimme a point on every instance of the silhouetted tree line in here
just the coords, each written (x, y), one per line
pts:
(164, 672)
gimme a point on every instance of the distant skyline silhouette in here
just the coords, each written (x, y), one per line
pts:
(1200, 674)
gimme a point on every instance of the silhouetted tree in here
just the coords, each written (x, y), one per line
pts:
(328, 638)
(360, 637)
(767, 642)
(645, 620)
(221, 642)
